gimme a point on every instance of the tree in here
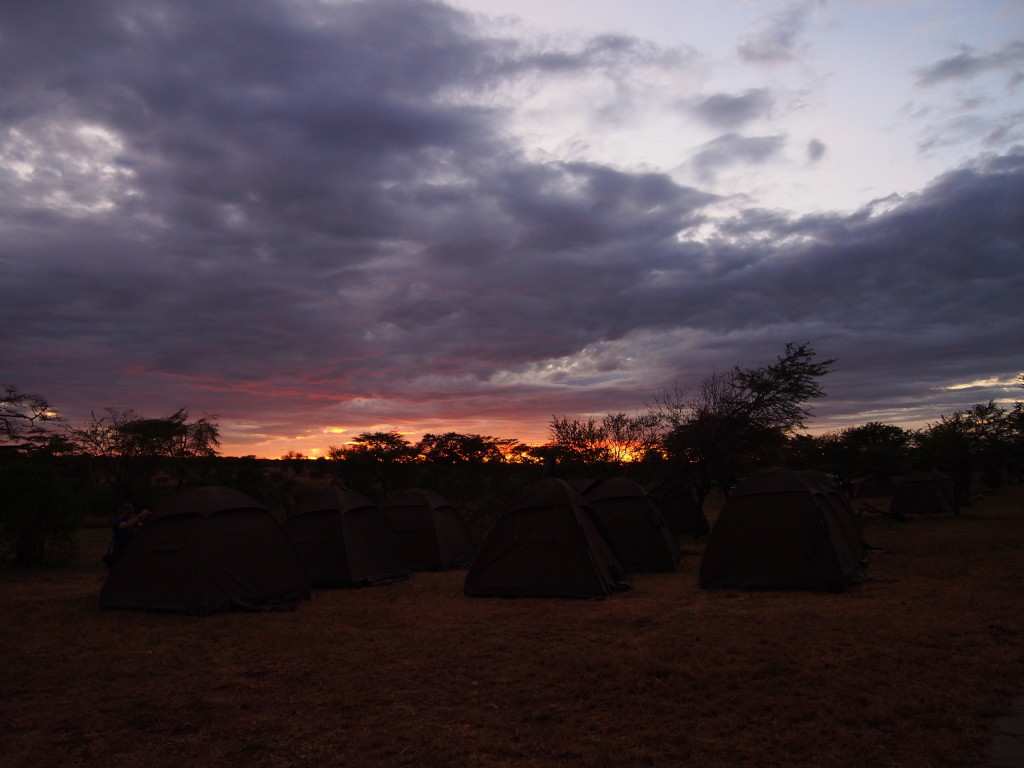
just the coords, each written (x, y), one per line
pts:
(630, 438)
(375, 462)
(982, 437)
(739, 419)
(39, 513)
(718, 440)
(874, 448)
(577, 440)
(775, 396)
(26, 420)
(822, 452)
(131, 448)
(516, 452)
(379, 447)
(616, 439)
(457, 448)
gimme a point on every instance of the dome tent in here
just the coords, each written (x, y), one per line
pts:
(632, 525)
(545, 544)
(432, 534)
(784, 529)
(344, 540)
(208, 550)
(922, 493)
(680, 509)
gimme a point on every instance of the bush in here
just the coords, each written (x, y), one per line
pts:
(39, 514)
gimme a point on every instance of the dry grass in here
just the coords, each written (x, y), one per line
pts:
(906, 670)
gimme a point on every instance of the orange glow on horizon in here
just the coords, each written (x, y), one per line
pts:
(311, 448)
(319, 444)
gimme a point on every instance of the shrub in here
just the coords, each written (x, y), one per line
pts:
(39, 514)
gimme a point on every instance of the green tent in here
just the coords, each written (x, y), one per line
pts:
(784, 529)
(545, 544)
(206, 551)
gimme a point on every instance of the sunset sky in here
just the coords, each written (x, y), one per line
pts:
(316, 219)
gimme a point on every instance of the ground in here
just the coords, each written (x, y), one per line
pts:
(907, 669)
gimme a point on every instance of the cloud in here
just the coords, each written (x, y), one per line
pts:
(726, 111)
(292, 215)
(815, 150)
(968, 64)
(732, 149)
(775, 38)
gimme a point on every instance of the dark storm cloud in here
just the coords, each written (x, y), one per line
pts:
(728, 112)
(937, 277)
(968, 64)
(280, 176)
(290, 213)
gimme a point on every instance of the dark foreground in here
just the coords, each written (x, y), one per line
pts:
(909, 669)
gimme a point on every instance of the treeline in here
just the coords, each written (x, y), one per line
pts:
(55, 475)
(731, 424)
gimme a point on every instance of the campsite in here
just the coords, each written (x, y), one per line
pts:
(908, 668)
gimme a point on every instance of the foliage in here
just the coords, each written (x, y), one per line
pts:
(129, 448)
(375, 462)
(520, 453)
(457, 448)
(873, 448)
(984, 437)
(377, 446)
(616, 439)
(824, 452)
(739, 419)
(40, 511)
(577, 440)
(26, 420)
(774, 397)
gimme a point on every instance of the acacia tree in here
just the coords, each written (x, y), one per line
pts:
(630, 438)
(26, 420)
(377, 460)
(739, 419)
(39, 511)
(377, 446)
(129, 448)
(823, 452)
(616, 439)
(874, 448)
(577, 440)
(458, 448)
(981, 437)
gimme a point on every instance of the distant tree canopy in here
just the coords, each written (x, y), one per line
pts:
(985, 437)
(616, 439)
(377, 446)
(458, 448)
(130, 447)
(450, 448)
(874, 448)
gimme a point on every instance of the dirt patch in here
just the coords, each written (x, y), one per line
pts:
(909, 669)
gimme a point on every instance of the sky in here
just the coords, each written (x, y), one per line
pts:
(314, 219)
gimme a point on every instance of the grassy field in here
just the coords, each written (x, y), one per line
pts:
(907, 669)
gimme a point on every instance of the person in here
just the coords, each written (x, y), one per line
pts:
(123, 528)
